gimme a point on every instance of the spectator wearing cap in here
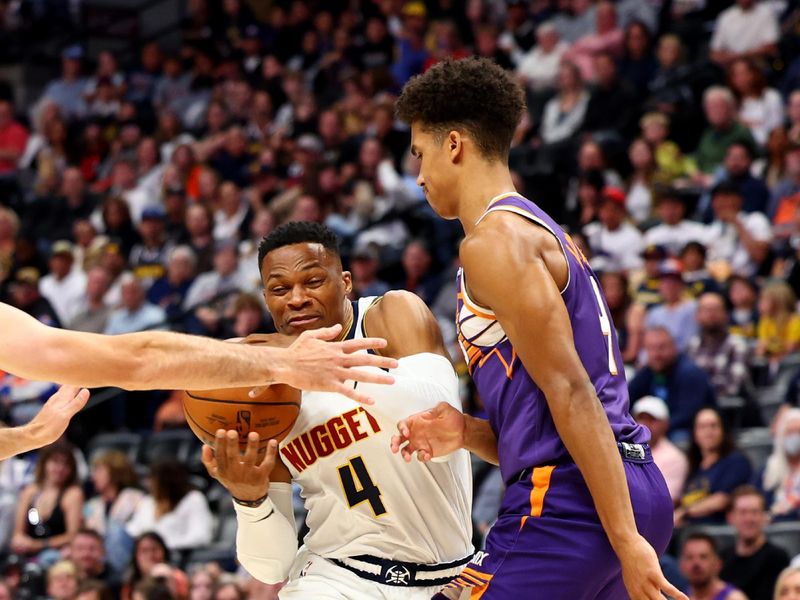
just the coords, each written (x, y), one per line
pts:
(723, 128)
(673, 377)
(753, 564)
(91, 313)
(674, 230)
(677, 311)
(135, 314)
(613, 235)
(538, 68)
(64, 285)
(67, 91)
(169, 291)
(695, 273)
(748, 29)
(647, 294)
(410, 51)
(737, 241)
(721, 354)
(26, 296)
(653, 413)
(743, 295)
(149, 257)
(364, 264)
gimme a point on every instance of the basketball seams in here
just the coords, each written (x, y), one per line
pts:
(215, 401)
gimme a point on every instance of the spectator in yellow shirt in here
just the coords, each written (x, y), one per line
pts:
(779, 324)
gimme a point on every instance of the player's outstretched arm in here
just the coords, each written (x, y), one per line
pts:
(552, 361)
(47, 426)
(165, 360)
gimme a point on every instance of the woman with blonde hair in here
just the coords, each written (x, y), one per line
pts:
(781, 480)
(788, 585)
(779, 324)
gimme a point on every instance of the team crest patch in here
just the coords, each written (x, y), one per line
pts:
(398, 575)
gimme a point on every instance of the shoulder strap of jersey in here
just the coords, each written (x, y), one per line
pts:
(362, 306)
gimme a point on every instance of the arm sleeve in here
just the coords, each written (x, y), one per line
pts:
(266, 541)
(421, 382)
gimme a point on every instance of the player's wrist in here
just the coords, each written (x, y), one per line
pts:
(250, 500)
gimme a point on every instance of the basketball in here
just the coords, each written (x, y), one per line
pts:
(271, 413)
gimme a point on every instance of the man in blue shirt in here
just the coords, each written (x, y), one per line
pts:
(674, 378)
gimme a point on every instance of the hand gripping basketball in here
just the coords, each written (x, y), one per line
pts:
(245, 476)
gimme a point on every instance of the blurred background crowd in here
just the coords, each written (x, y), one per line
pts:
(135, 186)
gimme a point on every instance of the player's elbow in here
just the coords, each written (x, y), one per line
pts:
(270, 570)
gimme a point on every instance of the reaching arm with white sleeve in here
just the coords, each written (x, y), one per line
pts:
(266, 540)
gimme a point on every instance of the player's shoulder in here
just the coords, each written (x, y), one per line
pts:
(405, 322)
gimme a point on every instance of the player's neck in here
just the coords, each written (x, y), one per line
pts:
(476, 191)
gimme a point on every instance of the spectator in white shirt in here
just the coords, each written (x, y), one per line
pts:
(674, 231)
(749, 29)
(564, 113)
(737, 242)
(760, 107)
(135, 314)
(232, 212)
(538, 69)
(653, 413)
(64, 286)
(613, 236)
(173, 509)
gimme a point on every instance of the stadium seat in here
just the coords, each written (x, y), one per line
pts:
(127, 443)
(725, 535)
(174, 443)
(786, 535)
(756, 443)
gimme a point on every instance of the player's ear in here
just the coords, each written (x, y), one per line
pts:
(454, 145)
(347, 280)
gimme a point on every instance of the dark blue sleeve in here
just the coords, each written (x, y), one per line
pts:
(640, 385)
(729, 473)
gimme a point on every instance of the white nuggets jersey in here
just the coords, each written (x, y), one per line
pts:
(361, 498)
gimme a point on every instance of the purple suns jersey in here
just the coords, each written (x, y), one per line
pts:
(517, 409)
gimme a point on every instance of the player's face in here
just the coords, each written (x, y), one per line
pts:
(304, 288)
(436, 171)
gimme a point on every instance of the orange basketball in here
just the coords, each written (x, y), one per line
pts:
(271, 413)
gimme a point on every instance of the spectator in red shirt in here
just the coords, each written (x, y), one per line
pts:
(13, 139)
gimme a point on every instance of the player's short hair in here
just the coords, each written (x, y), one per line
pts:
(473, 95)
(701, 536)
(298, 232)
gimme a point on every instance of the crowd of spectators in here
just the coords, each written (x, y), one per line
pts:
(663, 135)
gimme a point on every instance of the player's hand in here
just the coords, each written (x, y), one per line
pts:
(642, 573)
(245, 476)
(430, 434)
(52, 420)
(316, 364)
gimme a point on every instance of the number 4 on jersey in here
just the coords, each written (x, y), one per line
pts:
(358, 486)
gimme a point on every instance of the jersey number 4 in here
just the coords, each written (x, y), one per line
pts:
(605, 326)
(358, 486)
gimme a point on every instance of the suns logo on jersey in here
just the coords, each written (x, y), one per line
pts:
(323, 440)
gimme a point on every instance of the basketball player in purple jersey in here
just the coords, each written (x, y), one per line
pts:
(585, 505)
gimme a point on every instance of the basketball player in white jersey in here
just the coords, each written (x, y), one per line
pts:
(378, 527)
(162, 360)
